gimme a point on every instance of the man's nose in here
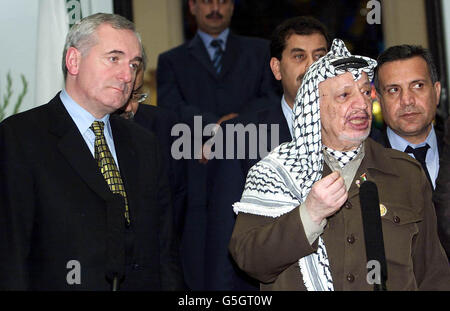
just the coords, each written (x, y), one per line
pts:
(407, 98)
(126, 73)
(360, 100)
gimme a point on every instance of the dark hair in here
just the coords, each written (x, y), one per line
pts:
(405, 51)
(301, 25)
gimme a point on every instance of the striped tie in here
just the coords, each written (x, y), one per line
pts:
(108, 166)
(217, 58)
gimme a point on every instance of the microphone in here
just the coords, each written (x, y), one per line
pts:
(373, 233)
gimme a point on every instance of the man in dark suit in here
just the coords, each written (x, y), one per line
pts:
(407, 84)
(216, 76)
(84, 198)
(295, 45)
(160, 122)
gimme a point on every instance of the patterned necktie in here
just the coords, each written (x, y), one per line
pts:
(217, 58)
(420, 154)
(108, 166)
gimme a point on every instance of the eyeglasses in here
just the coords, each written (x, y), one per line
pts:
(139, 97)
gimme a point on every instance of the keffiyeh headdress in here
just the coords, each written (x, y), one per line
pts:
(282, 180)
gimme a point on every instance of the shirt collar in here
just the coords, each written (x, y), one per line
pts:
(400, 143)
(206, 38)
(82, 118)
(288, 114)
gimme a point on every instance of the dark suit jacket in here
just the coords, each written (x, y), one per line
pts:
(227, 180)
(55, 206)
(160, 121)
(441, 195)
(188, 85)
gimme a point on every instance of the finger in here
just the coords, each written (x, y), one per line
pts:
(329, 179)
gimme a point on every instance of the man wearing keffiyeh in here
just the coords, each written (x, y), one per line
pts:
(299, 224)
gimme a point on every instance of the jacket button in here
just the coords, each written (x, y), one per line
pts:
(396, 219)
(351, 239)
(348, 205)
(135, 266)
(350, 277)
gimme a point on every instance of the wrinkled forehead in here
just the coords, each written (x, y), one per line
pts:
(345, 79)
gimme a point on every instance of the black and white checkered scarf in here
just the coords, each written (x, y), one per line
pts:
(282, 180)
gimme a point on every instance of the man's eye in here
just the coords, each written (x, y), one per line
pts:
(316, 57)
(134, 66)
(366, 92)
(418, 85)
(343, 95)
(113, 59)
(392, 90)
(299, 57)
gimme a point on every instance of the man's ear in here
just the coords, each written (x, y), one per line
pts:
(73, 58)
(437, 89)
(191, 4)
(275, 66)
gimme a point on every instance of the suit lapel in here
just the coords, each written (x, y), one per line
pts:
(231, 54)
(73, 147)
(126, 156)
(198, 50)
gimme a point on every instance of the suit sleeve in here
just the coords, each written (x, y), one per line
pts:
(256, 239)
(226, 189)
(171, 274)
(431, 266)
(16, 211)
(269, 91)
(170, 95)
(441, 195)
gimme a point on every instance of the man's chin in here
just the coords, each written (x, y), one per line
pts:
(356, 138)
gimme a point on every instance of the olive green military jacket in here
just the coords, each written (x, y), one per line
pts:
(268, 249)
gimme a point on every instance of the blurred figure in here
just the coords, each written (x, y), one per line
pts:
(217, 75)
(295, 45)
(159, 121)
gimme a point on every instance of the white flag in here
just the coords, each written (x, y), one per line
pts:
(53, 25)
(55, 16)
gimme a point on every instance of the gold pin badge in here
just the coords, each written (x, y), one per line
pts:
(383, 210)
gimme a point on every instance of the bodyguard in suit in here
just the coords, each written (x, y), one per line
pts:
(407, 84)
(84, 198)
(159, 121)
(295, 45)
(216, 76)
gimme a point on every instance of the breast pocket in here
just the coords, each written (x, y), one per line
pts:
(399, 231)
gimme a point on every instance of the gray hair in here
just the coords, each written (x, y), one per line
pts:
(82, 35)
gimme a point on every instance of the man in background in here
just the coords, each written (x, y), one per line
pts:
(407, 84)
(216, 76)
(295, 45)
